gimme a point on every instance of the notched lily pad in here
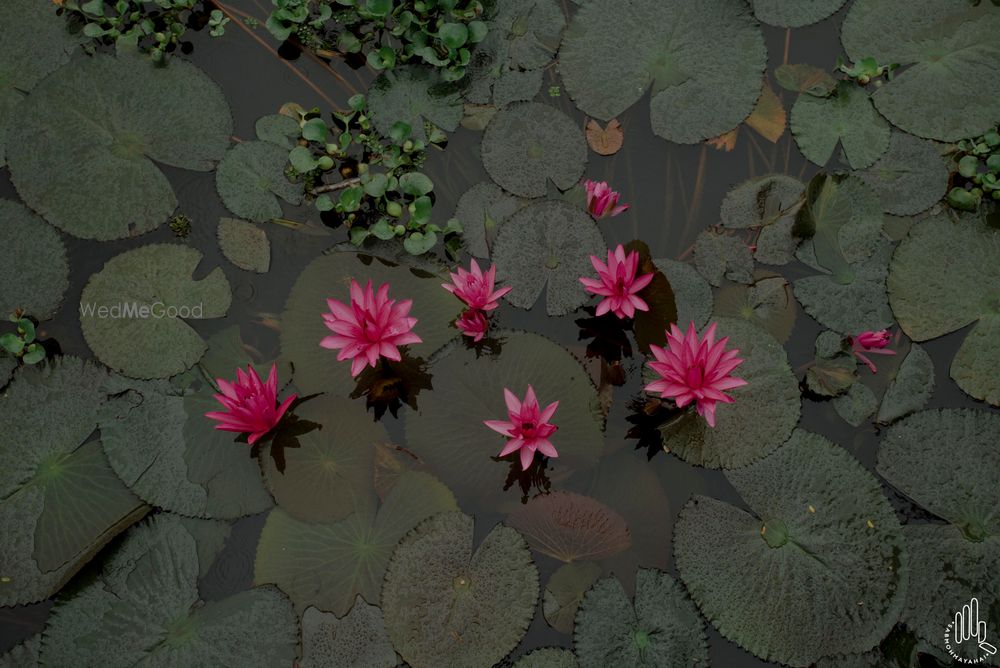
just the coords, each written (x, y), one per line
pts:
(767, 302)
(358, 639)
(847, 117)
(251, 178)
(413, 95)
(692, 293)
(794, 13)
(718, 255)
(911, 388)
(910, 177)
(565, 590)
(35, 273)
(482, 210)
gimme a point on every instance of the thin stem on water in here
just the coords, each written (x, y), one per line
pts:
(332, 187)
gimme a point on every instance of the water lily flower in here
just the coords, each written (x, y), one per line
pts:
(473, 323)
(871, 343)
(251, 405)
(695, 370)
(475, 288)
(370, 327)
(529, 427)
(618, 284)
(602, 201)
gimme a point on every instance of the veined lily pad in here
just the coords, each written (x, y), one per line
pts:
(412, 95)
(764, 412)
(61, 502)
(34, 273)
(564, 592)
(447, 604)
(251, 178)
(794, 13)
(911, 388)
(932, 41)
(768, 303)
(547, 245)
(692, 293)
(145, 609)
(245, 245)
(328, 565)
(114, 117)
(661, 628)
(910, 177)
(482, 210)
(548, 657)
(460, 451)
(358, 639)
(847, 116)
(571, 527)
(819, 550)
(529, 143)
(944, 276)
(704, 74)
(148, 295)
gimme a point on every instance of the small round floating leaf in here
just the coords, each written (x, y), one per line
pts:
(848, 117)
(718, 255)
(34, 274)
(128, 113)
(662, 627)
(245, 245)
(527, 144)
(251, 178)
(465, 384)
(565, 590)
(482, 210)
(412, 95)
(571, 527)
(153, 339)
(704, 75)
(932, 41)
(359, 639)
(692, 293)
(548, 657)
(547, 245)
(910, 177)
(764, 412)
(794, 13)
(836, 572)
(447, 604)
(278, 129)
(911, 388)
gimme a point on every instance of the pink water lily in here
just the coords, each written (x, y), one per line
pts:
(602, 201)
(251, 405)
(695, 370)
(370, 327)
(618, 283)
(475, 288)
(473, 323)
(871, 343)
(528, 428)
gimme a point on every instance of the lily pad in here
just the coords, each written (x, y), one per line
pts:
(932, 41)
(482, 210)
(358, 639)
(571, 527)
(144, 608)
(149, 294)
(245, 245)
(767, 302)
(24, 654)
(762, 201)
(911, 388)
(125, 114)
(764, 412)
(692, 293)
(517, 86)
(944, 276)
(548, 657)
(251, 178)
(527, 144)
(61, 502)
(35, 272)
(910, 177)
(564, 592)
(413, 95)
(661, 627)
(547, 245)
(719, 256)
(302, 327)
(856, 405)
(461, 451)
(328, 565)
(278, 129)
(704, 75)
(847, 116)
(447, 604)
(820, 550)
(794, 13)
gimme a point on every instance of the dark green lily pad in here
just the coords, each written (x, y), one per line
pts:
(154, 339)
(762, 201)
(358, 639)
(547, 245)
(820, 551)
(517, 86)
(61, 502)
(34, 273)
(528, 144)
(794, 13)
(482, 210)
(719, 256)
(932, 41)
(767, 302)
(548, 657)
(764, 412)
(661, 628)
(460, 451)
(910, 177)
(703, 74)
(564, 592)
(848, 117)
(446, 604)
(413, 95)
(24, 654)
(328, 565)
(114, 117)
(7, 365)
(251, 178)
(692, 293)
(145, 609)
(245, 245)
(944, 276)
(856, 405)
(911, 388)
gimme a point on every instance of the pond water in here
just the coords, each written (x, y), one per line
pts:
(675, 192)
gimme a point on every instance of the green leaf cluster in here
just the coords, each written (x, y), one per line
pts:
(22, 343)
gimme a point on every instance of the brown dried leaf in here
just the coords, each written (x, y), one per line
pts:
(571, 527)
(768, 117)
(724, 142)
(605, 141)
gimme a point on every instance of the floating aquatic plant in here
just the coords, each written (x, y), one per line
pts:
(251, 405)
(528, 427)
(619, 283)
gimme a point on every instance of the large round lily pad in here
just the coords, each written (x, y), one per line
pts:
(703, 74)
(819, 550)
(794, 13)
(910, 177)
(846, 116)
(145, 609)
(466, 385)
(764, 412)
(529, 143)
(547, 245)
(446, 604)
(34, 274)
(661, 628)
(358, 639)
(944, 276)
(61, 502)
(413, 95)
(83, 144)
(947, 87)
(251, 178)
(911, 387)
(571, 527)
(328, 565)
(135, 311)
